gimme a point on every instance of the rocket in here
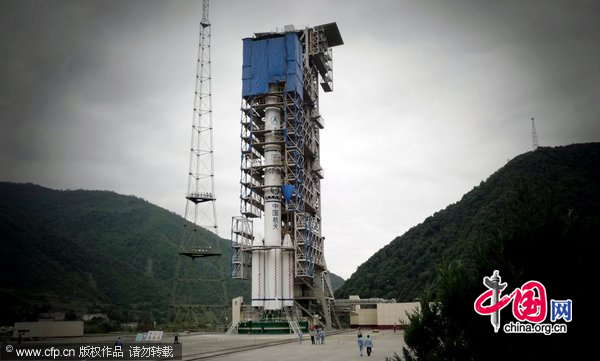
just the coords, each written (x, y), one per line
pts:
(494, 284)
(272, 261)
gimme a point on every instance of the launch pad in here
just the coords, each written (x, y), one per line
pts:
(270, 327)
(280, 183)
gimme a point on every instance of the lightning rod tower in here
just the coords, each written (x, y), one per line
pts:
(199, 294)
(534, 137)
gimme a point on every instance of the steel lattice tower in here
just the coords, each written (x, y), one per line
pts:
(534, 138)
(281, 173)
(195, 300)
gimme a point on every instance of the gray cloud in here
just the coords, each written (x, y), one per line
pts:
(430, 98)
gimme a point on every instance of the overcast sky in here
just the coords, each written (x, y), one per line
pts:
(430, 98)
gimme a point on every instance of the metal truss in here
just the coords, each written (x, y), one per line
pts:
(302, 172)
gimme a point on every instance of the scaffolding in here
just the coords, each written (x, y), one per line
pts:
(302, 171)
(241, 242)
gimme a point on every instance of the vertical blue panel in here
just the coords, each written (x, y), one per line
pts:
(294, 78)
(272, 60)
(276, 59)
(247, 66)
(260, 68)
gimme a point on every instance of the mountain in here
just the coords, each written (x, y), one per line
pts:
(336, 281)
(562, 180)
(93, 251)
(88, 251)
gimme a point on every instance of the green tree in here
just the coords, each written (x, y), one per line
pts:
(448, 328)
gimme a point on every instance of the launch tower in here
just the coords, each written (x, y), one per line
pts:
(280, 184)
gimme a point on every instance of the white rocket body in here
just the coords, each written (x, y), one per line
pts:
(258, 270)
(272, 277)
(287, 272)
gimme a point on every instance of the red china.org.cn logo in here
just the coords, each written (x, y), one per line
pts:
(529, 307)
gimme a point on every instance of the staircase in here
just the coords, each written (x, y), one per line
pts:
(292, 322)
(233, 328)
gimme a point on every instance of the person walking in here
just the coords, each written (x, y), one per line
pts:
(322, 337)
(312, 336)
(360, 344)
(300, 335)
(369, 345)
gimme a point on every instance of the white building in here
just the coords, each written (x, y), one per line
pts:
(45, 329)
(380, 314)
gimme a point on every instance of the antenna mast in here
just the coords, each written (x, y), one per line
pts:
(534, 137)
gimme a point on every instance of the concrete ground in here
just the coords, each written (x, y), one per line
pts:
(219, 346)
(336, 347)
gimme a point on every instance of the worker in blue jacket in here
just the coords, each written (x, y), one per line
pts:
(360, 344)
(369, 345)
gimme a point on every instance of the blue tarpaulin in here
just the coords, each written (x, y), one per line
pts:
(272, 60)
(288, 191)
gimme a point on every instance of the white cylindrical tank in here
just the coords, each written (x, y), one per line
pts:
(258, 272)
(287, 268)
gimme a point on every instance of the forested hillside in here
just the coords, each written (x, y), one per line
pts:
(563, 180)
(89, 251)
(81, 251)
